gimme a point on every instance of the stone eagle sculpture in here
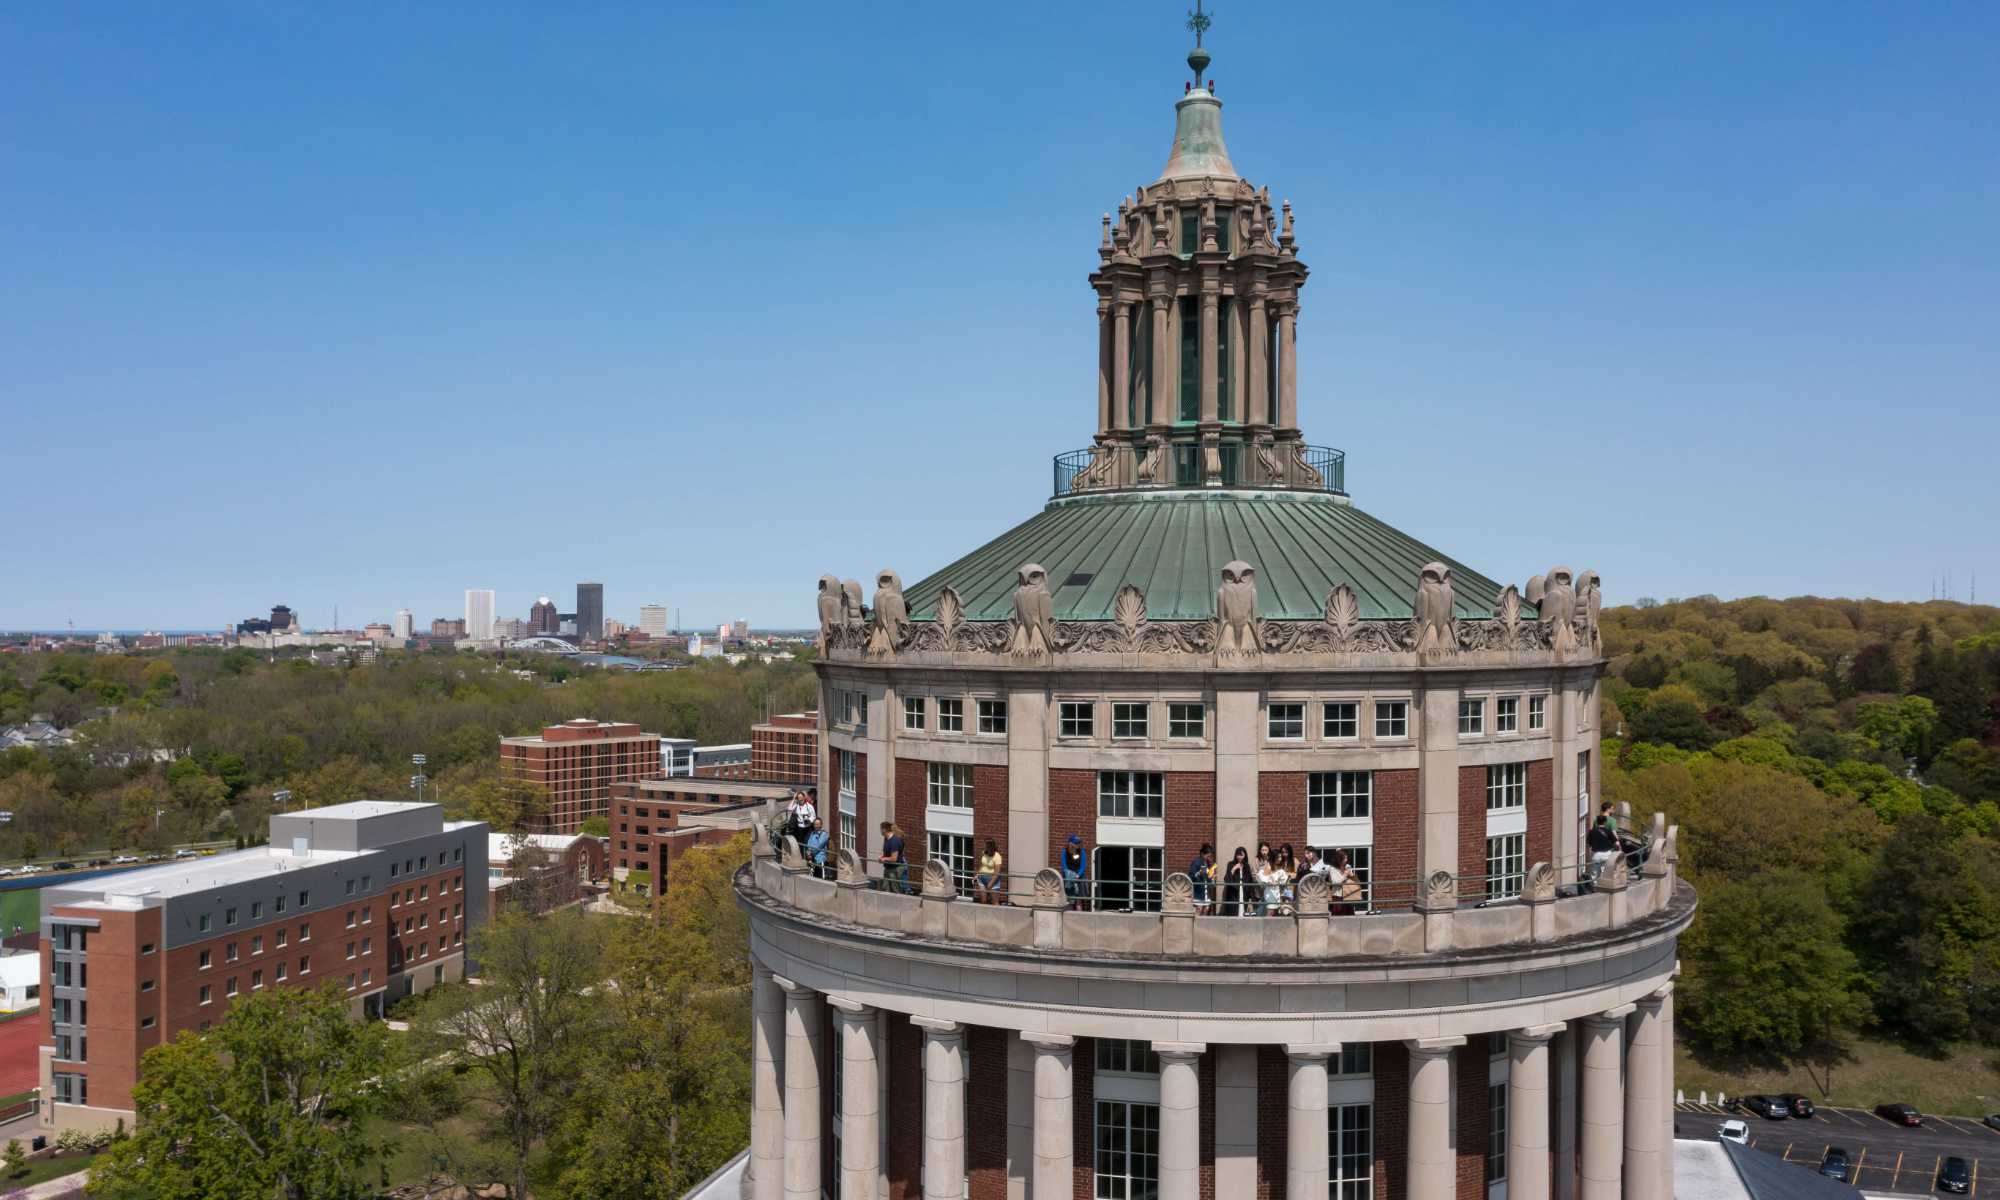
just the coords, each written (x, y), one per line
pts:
(1236, 612)
(829, 610)
(890, 624)
(1436, 629)
(1034, 613)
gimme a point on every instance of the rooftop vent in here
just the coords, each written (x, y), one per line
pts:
(1079, 579)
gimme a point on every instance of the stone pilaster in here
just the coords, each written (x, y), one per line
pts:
(944, 1108)
(802, 1072)
(1305, 1112)
(1603, 1118)
(1180, 1119)
(1433, 1161)
(1528, 1112)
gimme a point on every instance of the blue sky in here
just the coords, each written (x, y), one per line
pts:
(368, 304)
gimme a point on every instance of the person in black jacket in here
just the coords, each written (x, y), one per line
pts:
(1601, 846)
(1237, 879)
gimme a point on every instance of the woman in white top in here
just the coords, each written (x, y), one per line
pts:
(1275, 880)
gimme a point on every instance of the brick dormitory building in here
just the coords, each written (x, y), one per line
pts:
(655, 821)
(1200, 639)
(376, 897)
(786, 748)
(577, 763)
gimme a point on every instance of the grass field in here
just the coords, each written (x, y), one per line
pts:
(41, 1169)
(23, 907)
(1965, 1082)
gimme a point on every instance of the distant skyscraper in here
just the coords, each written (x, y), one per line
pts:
(740, 627)
(590, 610)
(510, 628)
(404, 623)
(281, 619)
(543, 618)
(479, 613)
(653, 620)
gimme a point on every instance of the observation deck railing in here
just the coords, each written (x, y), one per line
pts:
(1308, 918)
(1119, 466)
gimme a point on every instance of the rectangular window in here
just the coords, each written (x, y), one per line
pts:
(1127, 1143)
(256, 909)
(1472, 717)
(1350, 1151)
(205, 960)
(1225, 328)
(205, 994)
(993, 716)
(350, 918)
(257, 944)
(1538, 712)
(146, 1023)
(73, 1089)
(913, 712)
(278, 973)
(350, 887)
(1134, 794)
(1126, 1056)
(1076, 718)
(305, 931)
(146, 985)
(1128, 720)
(229, 952)
(954, 850)
(228, 917)
(1190, 319)
(1506, 786)
(1287, 721)
(350, 949)
(305, 899)
(1507, 714)
(256, 980)
(951, 716)
(1338, 795)
(279, 937)
(1505, 865)
(1187, 719)
(229, 986)
(1190, 230)
(201, 923)
(1355, 1058)
(1496, 1138)
(1392, 718)
(950, 785)
(1340, 719)
(305, 964)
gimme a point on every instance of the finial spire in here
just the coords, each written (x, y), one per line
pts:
(1199, 22)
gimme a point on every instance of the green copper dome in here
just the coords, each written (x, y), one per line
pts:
(1174, 544)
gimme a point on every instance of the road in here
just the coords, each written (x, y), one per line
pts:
(1892, 1158)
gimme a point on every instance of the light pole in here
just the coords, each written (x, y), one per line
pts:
(281, 798)
(418, 780)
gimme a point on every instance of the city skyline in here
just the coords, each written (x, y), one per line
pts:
(1796, 189)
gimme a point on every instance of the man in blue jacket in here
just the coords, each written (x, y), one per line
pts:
(1076, 873)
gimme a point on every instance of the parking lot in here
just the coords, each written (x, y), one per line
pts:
(1891, 1158)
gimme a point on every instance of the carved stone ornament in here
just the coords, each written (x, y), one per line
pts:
(852, 613)
(1098, 472)
(1267, 463)
(1049, 889)
(890, 625)
(1507, 612)
(1538, 586)
(937, 881)
(1588, 603)
(1559, 610)
(1614, 877)
(1672, 849)
(829, 611)
(847, 867)
(1541, 884)
(1343, 616)
(1435, 624)
(1315, 894)
(1034, 625)
(1237, 638)
(1177, 895)
(1309, 475)
(1128, 611)
(789, 855)
(1440, 890)
(1149, 466)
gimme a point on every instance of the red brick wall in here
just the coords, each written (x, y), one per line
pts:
(986, 1113)
(1541, 811)
(829, 1049)
(1392, 1114)
(989, 817)
(1273, 1119)
(1281, 813)
(1394, 869)
(1190, 816)
(1083, 1110)
(912, 784)
(1472, 821)
(1472, 1118)
(1207, 1156)
(861, 825)
(905, 1109)
(1072, 809)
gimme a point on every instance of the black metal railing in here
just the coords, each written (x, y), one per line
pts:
(1186, 463)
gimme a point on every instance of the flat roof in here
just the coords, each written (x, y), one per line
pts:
(359, 810)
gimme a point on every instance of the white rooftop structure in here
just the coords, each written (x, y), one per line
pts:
(19, 974)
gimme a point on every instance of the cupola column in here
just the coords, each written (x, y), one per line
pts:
(1160, 384)
(1211, 375)
(1121, 366)
(1288, 365)
(1107, 357)
(1257, 390)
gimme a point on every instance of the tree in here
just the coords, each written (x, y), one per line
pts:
(272, 1103)
(1672, 717)
(525, 1032)
(1768, 977)
(595, 827)
(15, 1158)
(1932, 934)
(1874, 670)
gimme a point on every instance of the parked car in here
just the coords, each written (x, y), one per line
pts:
(1955, 1176)
(1801, 1106)
(99, 862)
(183, 853)
(156, 858)
(1993, 1120)
(1771, 1108)
(1899, 1114)
(121, 859)
(1734, 1131)
(65, 866)
(1836, 1165)
(207, 851)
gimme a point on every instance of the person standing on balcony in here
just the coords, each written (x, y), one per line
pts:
(1237, 880)
(816, 848)
(1076, 873)
(895, 864)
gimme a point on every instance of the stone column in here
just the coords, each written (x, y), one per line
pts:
(1645, 1089)
(1055, 1145)
(767, 1086)
(1162, 383)
(1565, 1131)
(1667, 1091)
(1604, 1103)
(944, 1108)
(1121, 368)
(1257, 380)
(1288, 366)
(1211, 370)
(1104, 347)
(860, 1099)
(1305, 1131)
(802, 1071)
(1180, 1119)
(1433, 1162)
(1528, 1112)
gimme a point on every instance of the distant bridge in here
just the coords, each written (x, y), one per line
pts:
(547, 645)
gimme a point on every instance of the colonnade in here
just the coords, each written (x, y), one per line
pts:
(1624, 1127)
